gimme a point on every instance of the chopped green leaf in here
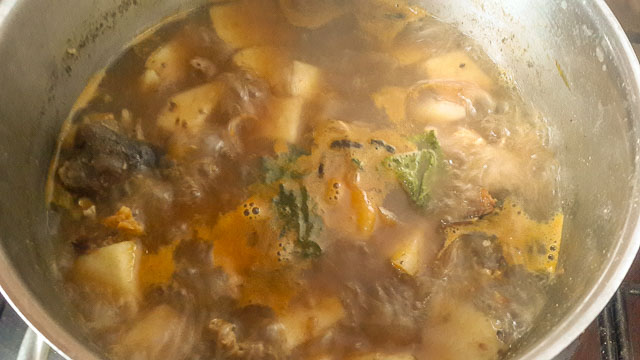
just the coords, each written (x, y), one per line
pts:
(418, 170)
(426, 141)
(282, 166)
(296, 213)
(358, 163)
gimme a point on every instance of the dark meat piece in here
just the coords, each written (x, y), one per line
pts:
(345, 144)
(103, 158)
(227, 346)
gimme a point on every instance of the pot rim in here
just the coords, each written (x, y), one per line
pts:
(620, 260)
(622, 257)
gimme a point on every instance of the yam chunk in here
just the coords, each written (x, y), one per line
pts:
(113, 267)
(267, 62)
(304, 324)
(245, 23)
(458, 331)
(407, 258)
(456, 66)
(305, 80)
(285, 117)
(311, 14)
(187, 111)
(167, 65)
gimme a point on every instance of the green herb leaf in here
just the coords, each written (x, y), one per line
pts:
(418, 170)
(358, 163)
(296, 213)
(282, 166)
(426, 141)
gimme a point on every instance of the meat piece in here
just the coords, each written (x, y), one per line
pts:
(103, 158)
(227, 346)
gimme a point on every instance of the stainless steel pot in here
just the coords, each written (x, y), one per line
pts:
(569, 57)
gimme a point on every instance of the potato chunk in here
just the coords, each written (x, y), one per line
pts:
(245, 23)
(187, 111)
(304, 324)
(113, 267)
(456, 66)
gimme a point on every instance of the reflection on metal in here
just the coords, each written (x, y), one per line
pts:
(33, 347)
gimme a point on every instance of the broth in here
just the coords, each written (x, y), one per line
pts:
(302, 179)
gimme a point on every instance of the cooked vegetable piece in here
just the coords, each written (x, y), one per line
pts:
(187, 111)
(524, 241)
(284, 121)
(459, 331)
(392, 100)
(303, 324)
(167, 65)
(113, 267)
(266, 62)
(312, 14)
(407, 257)
(457, 66)
(306, 80)
(245, 23)
(417, 171)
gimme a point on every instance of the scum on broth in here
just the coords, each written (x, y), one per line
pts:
(305, 180)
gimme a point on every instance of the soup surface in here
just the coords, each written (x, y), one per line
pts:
(305, 179)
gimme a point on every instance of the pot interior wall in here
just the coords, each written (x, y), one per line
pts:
(538, 44)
